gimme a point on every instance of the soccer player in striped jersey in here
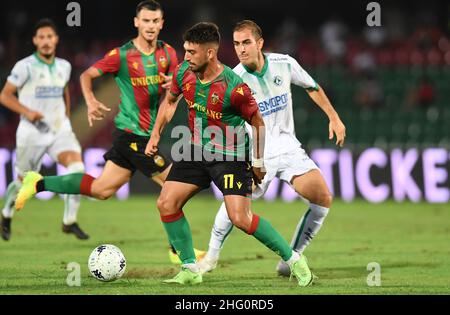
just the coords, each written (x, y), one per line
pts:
(41, 82)
(269, 76)
(142, 69)
(219, 104)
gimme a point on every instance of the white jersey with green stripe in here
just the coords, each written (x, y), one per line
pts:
(41, 87)
(271, 89)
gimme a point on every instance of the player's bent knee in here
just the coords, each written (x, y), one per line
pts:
(324, 199)
(165, 205)
(102, 194)
(242, 222)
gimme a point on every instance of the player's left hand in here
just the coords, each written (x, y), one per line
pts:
(258, 174)
(337, 127)
(167, 81)
(152, 146)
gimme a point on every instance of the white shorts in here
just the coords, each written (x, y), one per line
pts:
(29, 158)
(285, 166)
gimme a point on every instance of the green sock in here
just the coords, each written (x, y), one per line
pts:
(66, 184)
(266, 234)
(180, 237)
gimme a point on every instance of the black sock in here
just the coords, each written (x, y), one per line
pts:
(40, 186)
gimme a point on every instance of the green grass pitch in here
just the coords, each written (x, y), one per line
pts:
(409, 241)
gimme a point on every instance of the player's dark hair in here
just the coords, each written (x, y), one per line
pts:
(151, 5)
(202, 33)
(46, 22)
(249, 24)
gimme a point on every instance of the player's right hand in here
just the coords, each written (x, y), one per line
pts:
(258, 174)
(152, 146)
(33, 116)
(96, 111)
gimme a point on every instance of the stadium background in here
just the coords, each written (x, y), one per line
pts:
(390, 84)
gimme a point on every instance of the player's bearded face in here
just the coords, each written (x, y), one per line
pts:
(149, 24)
(197, 56)
(46, 41)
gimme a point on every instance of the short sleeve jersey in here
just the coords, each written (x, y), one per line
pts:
(272, 90)
(140, 84)
(217, 110)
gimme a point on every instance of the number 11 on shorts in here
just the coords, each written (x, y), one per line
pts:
(228, 180)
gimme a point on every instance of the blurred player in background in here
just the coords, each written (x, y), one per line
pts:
(218, 99)
(41, 81)
(142, 69)
(270, 76)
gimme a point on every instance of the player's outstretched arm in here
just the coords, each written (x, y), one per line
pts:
(336, 126)
(96, 109)
(9, 100)
(165, 114)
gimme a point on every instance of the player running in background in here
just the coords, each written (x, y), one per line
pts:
(142, 69)
(270, 76)
(41, 82)
(217, 100)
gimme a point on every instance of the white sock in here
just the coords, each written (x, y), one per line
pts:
(295, 256)
(192, 267)
(221, 229)
(308, 227)
(10, 198)
(72, 202)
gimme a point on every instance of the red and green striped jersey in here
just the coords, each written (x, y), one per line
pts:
(214, 107)
(140, 84)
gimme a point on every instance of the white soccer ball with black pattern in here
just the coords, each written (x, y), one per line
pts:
(107, 263)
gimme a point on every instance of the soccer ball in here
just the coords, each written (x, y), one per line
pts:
(107, 263)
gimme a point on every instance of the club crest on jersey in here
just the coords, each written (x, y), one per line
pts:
(187, 87)
(278, 80)
(135, 65)
(159, 161)
(214, 98)
(163, 61)
(240, 90)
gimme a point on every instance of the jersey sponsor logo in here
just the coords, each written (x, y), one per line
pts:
(239, 184)
(48, 91)
(146, 81)
(214, 98)
(273, 104)
(150, 64)
(278, 80)
(163, 61)
(278, 58)
(200, 108)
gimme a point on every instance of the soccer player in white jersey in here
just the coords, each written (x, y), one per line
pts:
(270, 76)
(41, 82)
